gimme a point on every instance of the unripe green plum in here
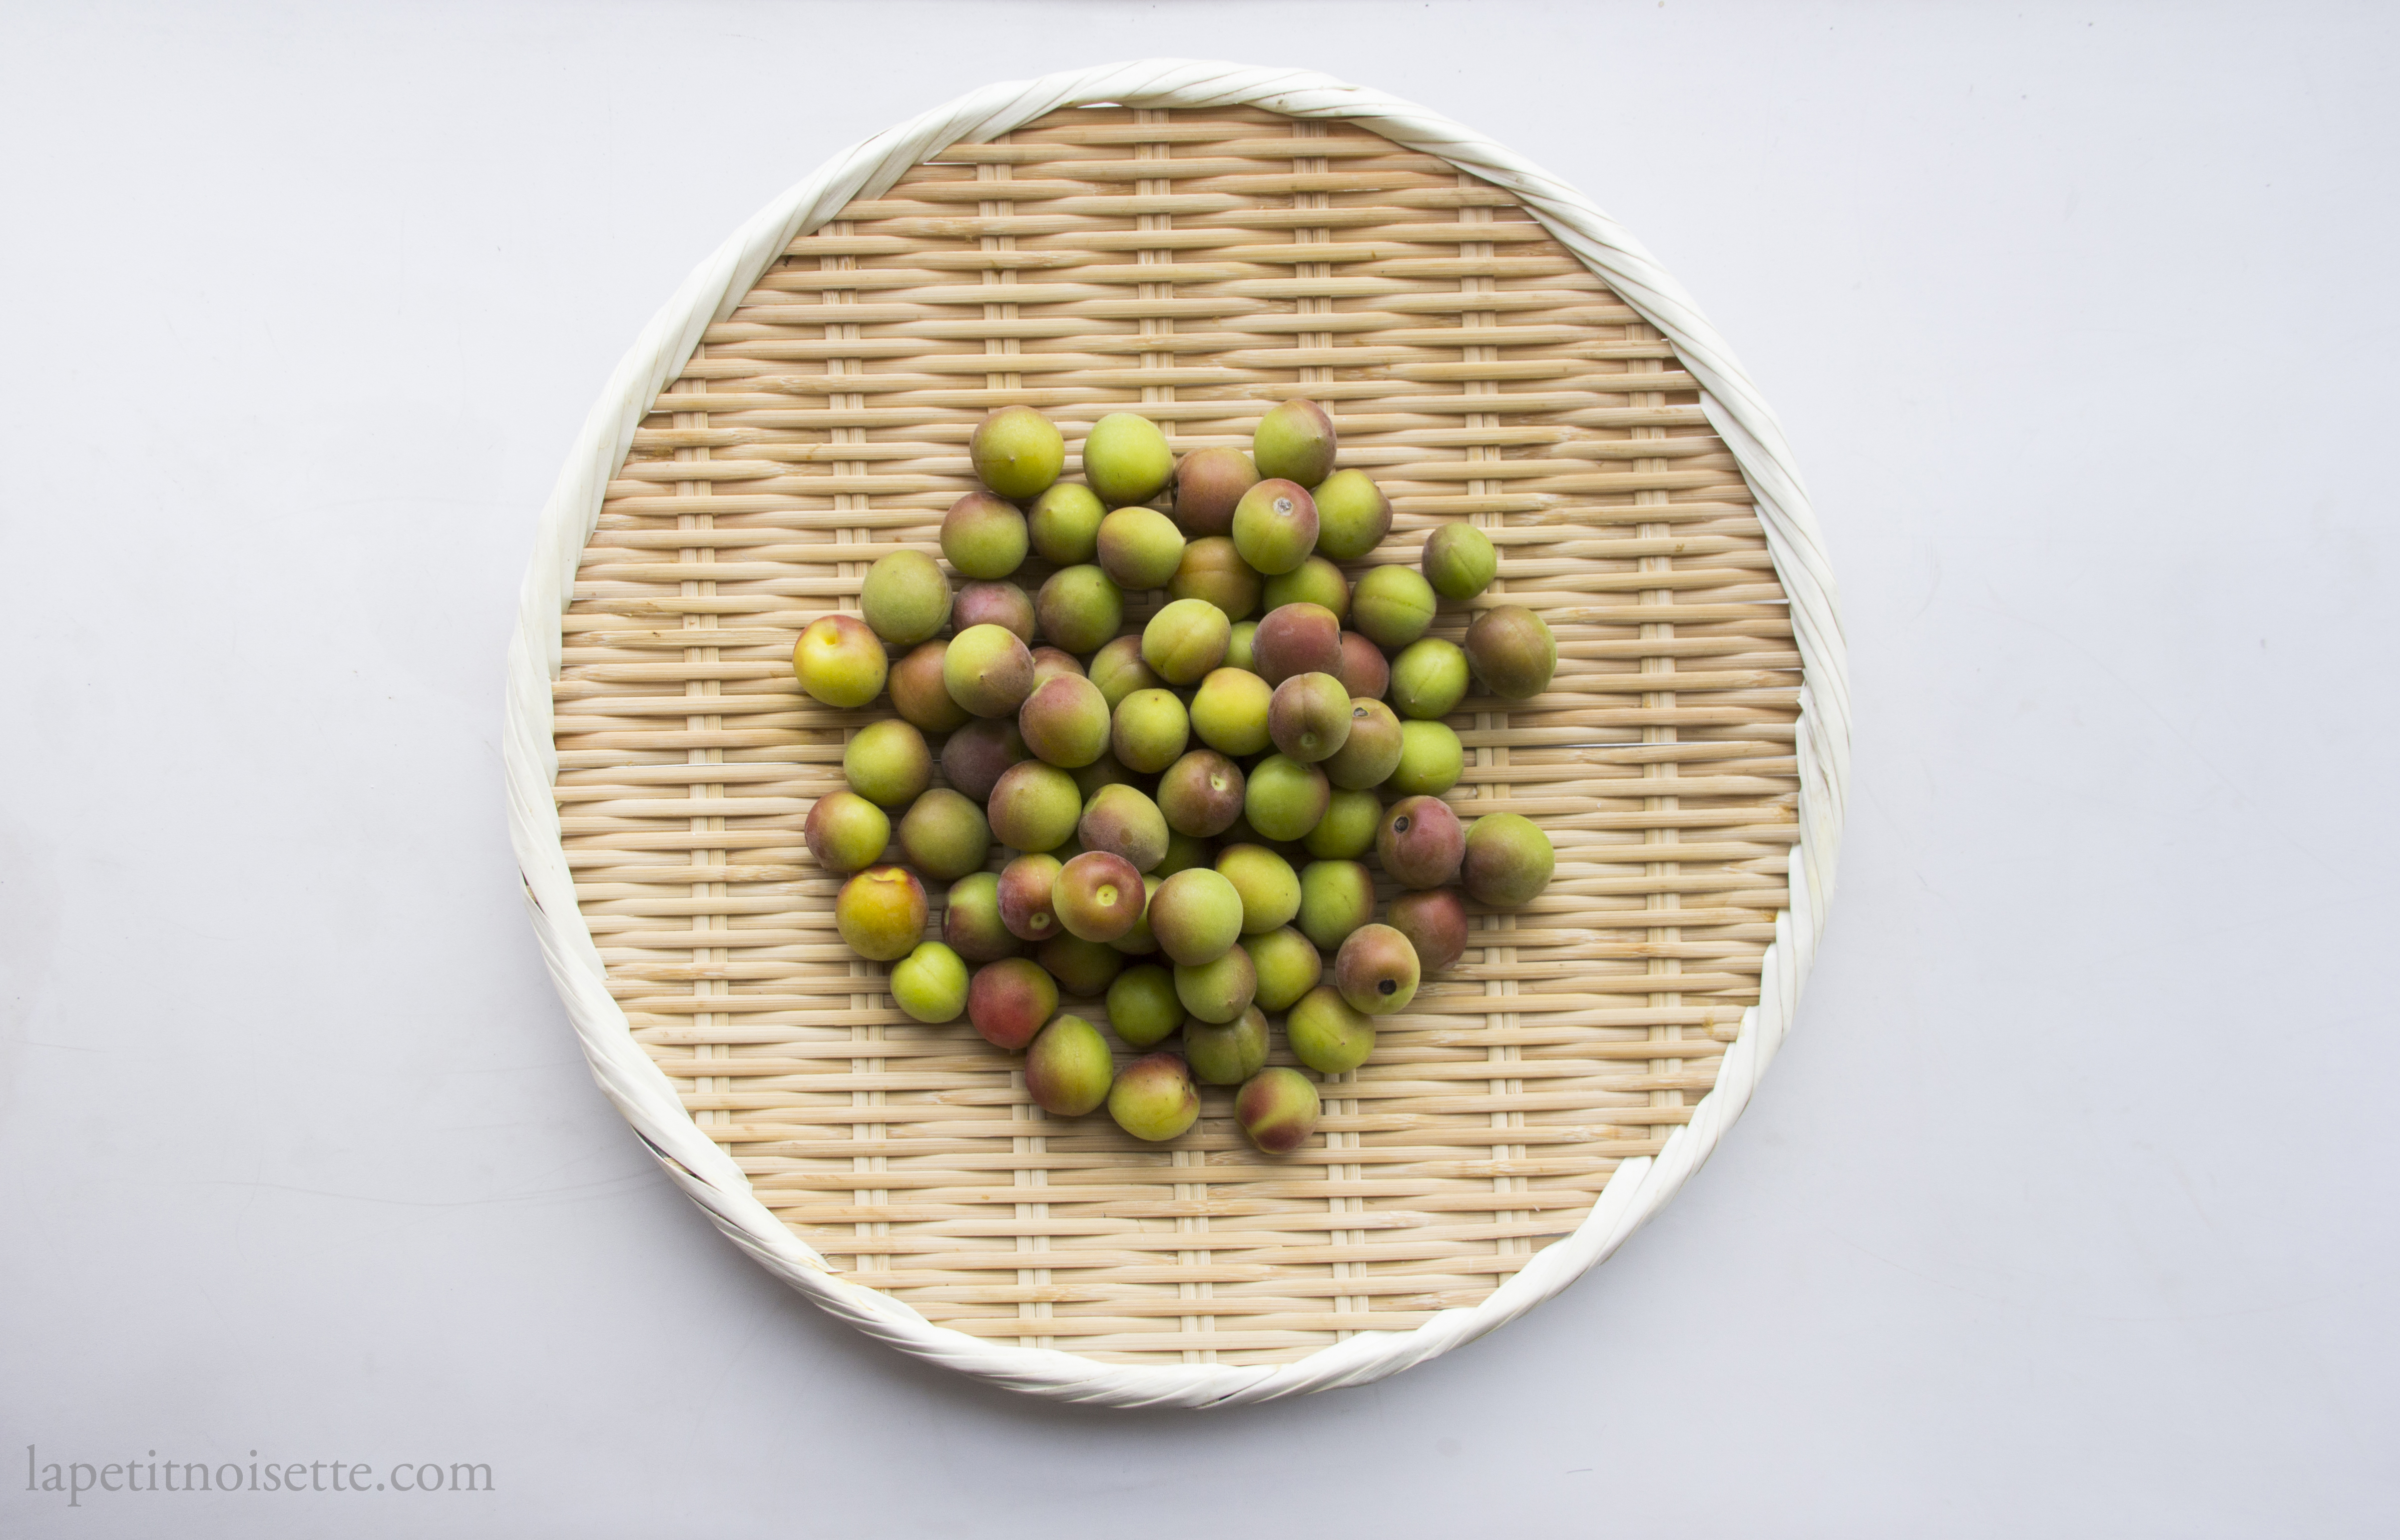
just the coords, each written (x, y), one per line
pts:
(904, 598)
(1364, 672)
(1017, 452)
(1309, 717)
(1127, 460)
(1295, 639)
(1295, 441)
(1212, 571)
(1428, 679)
(1431, 760)
(1285, 797)
(1098, 895)
(988, 671)
(975, 755)
(1064, 524)
(1421, 842)
(1140, 940)
(1327, 1035)
(945, 835)
(1336, 898)
(1512, 651)
(1352, 515)
(846, 832)
(1083, 969)
(1067, 1069)
(931, 983)
(1050, 662)
(1025, 892)
(1184, 640)
(1241, 647)
(1153, 1098)
(1279, 1109)
(1183, 852)
(1065, 721)
(1103, 771)
(1315, 581)
(1509, 861)
(1121, 820)
(1227, 1053)
(1270, 889)
(1372, 750)
(1009, 1001)
(840, 661)
(1119, 671)
(1289, 965)
(880, 913)
(1274, 527)
(1143, 1007)
(1208, 484)
(1034, 805)
(1080, 610)
(1392, 605)
(1376, 970)
(1139, 548)
(1150, 731)
(1197, 915)
(918, 693)
(1347, 830)
(1200, 794)
(1216, 990)
(971, 920)
(888, 763)
(1435, 922)
(1459, 561)
(984, 536)
(1230, 711)
(995, 603)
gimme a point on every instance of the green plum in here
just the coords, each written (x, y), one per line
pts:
(931, 983)
(1363, 670)
(1459, 561)
(988, 671)
(904, 598)
(1069, 1070)
(984, 536)
(1143, 1007)
(1017, 452)
(888, 763)
(1184, 640)
(1509, 861)
(1297, 638)
(1213, 571)
(1278, 1108)
(1119, 671)
(1270, 889)
(1208, 484)
(1066, 721)
(918, 694)
(1127, 460)
(1241, 646)
(1309, 717)
(1121, 820)
(1080, 610)
(1230, 711)
(1285, 797)
(1376, 970)
(1512, 651)
(1371, 751)
(1336, 898)
(972, 925)
(1431, 760)
(1428, 678)
(1421, 842)
(846, 832)
(1010, 1000)
(1139, 548)
(1183, 852)
(1083, 969)
(1216, 990)
(1352, 515)
(1392, 605)
(994, 604)
(1296, 441)
(1151, 729)
(840, 661)
(1049, 662)
(945, 835)
(1026, 892)
(1200, 794)
(1139, 940)
(1289, 965)
(1196, 914)
(1153, 1098)
(1103, 771)
(1034, 805)
(1315, 581)
(1227, 1053)
(1274, 527)
(1435, 922)
(1327, 1035)
(1098, 895)
(880, 913)
(1064, 524)
(973, 756)
(1347, 830)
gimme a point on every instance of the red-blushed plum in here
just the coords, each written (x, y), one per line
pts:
(1009, 1001)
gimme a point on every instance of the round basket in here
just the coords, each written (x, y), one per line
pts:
(1193, 241)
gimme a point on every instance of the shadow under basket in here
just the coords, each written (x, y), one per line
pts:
(1193, 243)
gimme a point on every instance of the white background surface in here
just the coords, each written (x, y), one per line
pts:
(2068, 1209)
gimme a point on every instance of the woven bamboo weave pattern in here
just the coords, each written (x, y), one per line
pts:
(1195, 266)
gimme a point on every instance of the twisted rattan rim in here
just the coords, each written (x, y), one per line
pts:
(642, 1091)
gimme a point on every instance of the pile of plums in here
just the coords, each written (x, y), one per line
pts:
(1110, 763)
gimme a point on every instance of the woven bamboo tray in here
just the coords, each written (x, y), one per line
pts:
(1197, 242)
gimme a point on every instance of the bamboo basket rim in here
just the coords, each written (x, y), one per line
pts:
(642, 1091)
